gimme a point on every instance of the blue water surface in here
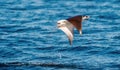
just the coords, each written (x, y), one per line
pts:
(30, 40)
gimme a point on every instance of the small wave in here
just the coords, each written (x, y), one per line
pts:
(45, 48)
(30, 7)
(116, 37)
(115, 66)
(113, 16)
(56, 65)
(8, 26)
(17, 8)
(115, 52)
(78, 48)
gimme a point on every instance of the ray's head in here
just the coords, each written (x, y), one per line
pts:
(85, 17)
(61, 23)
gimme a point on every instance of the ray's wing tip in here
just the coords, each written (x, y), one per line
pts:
(80, 32)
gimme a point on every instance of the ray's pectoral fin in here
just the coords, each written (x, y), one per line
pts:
(77, 22)
(68, 33)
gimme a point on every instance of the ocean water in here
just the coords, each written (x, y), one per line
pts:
(30, 40)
